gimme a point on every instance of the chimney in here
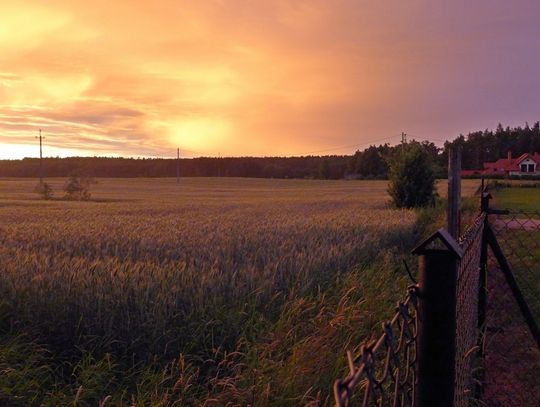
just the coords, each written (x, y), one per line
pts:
(509, 154)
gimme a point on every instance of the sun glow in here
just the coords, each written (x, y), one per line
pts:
(258, 78)
(199, 135)
(19, 151)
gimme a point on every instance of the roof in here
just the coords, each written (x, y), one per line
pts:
(510, 164)
(504, 165)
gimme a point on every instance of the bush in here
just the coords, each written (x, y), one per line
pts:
(412, 177)
(78, 188)
(45, 190)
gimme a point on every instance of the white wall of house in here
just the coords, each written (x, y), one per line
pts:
(527, 167)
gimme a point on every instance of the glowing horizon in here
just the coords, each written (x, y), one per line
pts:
(266, 78)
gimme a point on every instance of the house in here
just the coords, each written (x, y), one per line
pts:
(525, 164)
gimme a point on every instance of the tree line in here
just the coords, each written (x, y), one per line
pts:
(488, 145)
(329, 167)
(370, 163)
(477, 148)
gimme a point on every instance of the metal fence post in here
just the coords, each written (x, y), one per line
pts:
(482, 293)
(436, 340)
(454, 191)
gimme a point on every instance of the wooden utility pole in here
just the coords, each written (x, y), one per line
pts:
(40, 157)
(454, 191)
(403, 141)
(177, 165)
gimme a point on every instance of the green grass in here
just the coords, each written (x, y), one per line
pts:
(526, 199)
(213, 291)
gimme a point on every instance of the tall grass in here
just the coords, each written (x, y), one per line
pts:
(215, 292)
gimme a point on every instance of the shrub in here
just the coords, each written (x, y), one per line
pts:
(412, 177)
(45, 190)
(78, 188)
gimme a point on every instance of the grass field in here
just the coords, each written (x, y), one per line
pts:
(214, 291)
(526, 199)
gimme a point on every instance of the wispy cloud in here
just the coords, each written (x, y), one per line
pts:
(264, 78)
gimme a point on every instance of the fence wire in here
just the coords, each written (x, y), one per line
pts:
(518, 234)
(383, 373)
(512, 359)
(467, 332)
(496, 364)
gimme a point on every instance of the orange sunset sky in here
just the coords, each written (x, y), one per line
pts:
(140, 78)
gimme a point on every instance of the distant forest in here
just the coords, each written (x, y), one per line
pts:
(477, 148)
(488, 145)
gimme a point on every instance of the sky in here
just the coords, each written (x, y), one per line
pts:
(264, 78)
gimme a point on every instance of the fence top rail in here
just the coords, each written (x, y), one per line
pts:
(472, 231)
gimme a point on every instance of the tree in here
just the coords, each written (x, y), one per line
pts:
(412, 177)
(77, 188)
(45, 190)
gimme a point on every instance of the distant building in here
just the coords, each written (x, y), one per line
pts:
(525, 164)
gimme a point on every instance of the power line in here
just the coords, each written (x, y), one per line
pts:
(415, 137)
(350, 146)
(403, 137)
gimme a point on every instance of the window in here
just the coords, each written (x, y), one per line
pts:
(527, 167)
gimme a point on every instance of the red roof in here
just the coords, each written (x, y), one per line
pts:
(511, 164)
(504, 165)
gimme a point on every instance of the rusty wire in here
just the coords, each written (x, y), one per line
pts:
(384, 371)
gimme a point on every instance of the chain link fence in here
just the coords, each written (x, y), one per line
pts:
(497, 357)
(467, 295)
(384, 371)
(518, 233)
(512, 359)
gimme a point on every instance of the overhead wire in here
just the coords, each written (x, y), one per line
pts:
(356, 145)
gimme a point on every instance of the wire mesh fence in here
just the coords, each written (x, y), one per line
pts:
(496, 357)
(518, 233)
(512, 359)
(384, 371)
(467, 332)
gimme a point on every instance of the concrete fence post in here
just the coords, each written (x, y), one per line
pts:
(436, 340)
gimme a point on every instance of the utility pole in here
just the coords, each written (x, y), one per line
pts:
(177, 165)
(40, 157)
(403, 141)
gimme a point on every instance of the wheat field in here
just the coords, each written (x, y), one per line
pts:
(206, 292)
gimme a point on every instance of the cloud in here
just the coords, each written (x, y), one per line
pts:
(239, 77)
